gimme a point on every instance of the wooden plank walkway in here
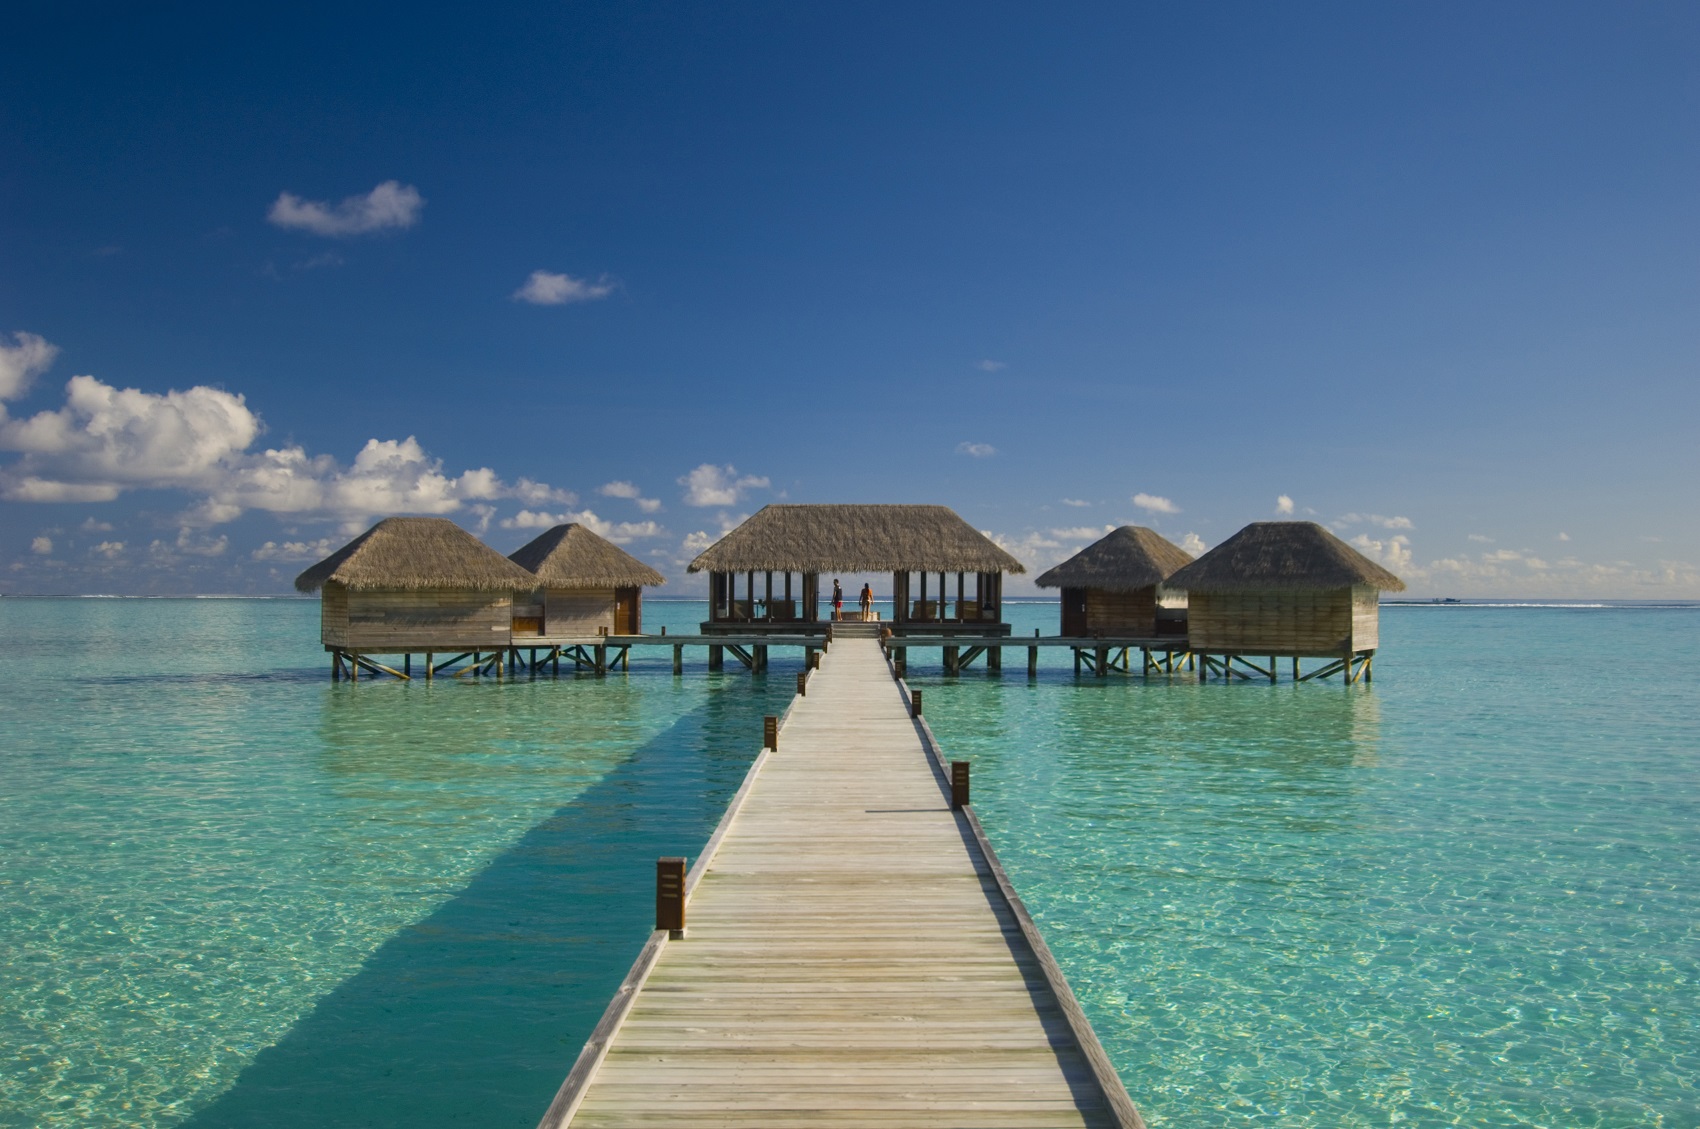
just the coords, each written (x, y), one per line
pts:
(853, 956)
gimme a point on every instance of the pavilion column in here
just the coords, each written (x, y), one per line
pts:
(959, 585)
(750, 584)
(923, 593)
(768, 607)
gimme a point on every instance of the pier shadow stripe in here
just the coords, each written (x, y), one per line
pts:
(472, 1015)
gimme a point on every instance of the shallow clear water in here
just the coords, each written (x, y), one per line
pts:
(232, 888)
(1465, 895)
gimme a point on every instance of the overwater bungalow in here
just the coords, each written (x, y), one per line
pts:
(1116, 586)
(587, 586)
(414, 584)
(1284, 589)
(947, 576)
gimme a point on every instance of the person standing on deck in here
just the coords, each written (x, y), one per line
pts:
(837, 601)
(867, 603)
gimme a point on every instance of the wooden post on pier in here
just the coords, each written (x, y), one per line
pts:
(914, 703)
(802, 684)
(958, 785)
(670, 896)
(770, 733)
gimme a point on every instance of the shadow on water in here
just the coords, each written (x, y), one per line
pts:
(472, 1016)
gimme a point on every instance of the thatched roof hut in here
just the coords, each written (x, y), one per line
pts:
(855, 538)
(1123, 560)
(416, 584)
(586, 586)
(1283, 554)
(1284, 588)
(416, 553)
(1118, 586)
(572, 556)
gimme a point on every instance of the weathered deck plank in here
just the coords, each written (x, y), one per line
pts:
(851, 957)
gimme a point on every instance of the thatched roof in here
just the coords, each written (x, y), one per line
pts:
(840, 538)
(1283, 554)
(1124, 560)
(571, 556)
(418, 552)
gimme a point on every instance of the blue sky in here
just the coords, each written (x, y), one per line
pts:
(1424, 272)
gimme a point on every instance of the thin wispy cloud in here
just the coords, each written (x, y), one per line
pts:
(1155, 503)
(1376, 519)
(1075, 502)
(630, 492)
(989, 365)
(390, 206)
(976, 450)
(545, 288)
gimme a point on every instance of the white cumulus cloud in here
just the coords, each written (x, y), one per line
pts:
(1155, 503)
(1193, 545)
(710, 485)
(41, 546)
(543, 288)
(1082, 532)
(389, 205)
(1395, 552)
(1284, 505)
(976, 450)
(296, 550)
(21, 362)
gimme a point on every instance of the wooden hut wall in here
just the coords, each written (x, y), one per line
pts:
(1285, 621)
(391, 620)
(1121, 613)
(1366, 618)
(569, 612)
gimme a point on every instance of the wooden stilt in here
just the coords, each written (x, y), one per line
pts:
(678, 658)
(1032, 662)
(716, 657)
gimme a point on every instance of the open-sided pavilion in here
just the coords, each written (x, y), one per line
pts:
(947, 576)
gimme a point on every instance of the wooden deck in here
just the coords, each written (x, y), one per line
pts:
(854, 954)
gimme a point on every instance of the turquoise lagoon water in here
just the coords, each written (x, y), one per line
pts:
(232, 891)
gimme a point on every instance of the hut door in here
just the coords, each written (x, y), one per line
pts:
(628, 611)
(1074, 611)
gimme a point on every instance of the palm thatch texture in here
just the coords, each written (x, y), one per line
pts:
(1124, 560)
(571, 556)
(417, 553)
(1269, 555)
(855, 538)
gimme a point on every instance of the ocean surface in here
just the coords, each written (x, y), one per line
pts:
(233, 893)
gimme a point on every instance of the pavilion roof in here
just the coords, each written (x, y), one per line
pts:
(855, 538)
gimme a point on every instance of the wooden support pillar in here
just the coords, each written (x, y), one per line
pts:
(1203, 667)
(760, 665)
(670, 896)
(994, 660)
(1272, 669)
(1369, 672)
(1032, 662)
(601, 653)
(959, 580)
(430, 657)
(767, 606)
(354, 666)
(1295, 668)
(951, 655)
(1076, 651)
(678, 658)
(770, 733)
(1102, 661)
(958, 785)
(336, 666)
(716, 657)
(923, 590)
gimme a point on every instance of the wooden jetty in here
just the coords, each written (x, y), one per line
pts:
(846, 951)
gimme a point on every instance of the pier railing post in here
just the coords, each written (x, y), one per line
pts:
(958, 785)
(802, 684)
(670, 896)
(914, 703)
(770, 731)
